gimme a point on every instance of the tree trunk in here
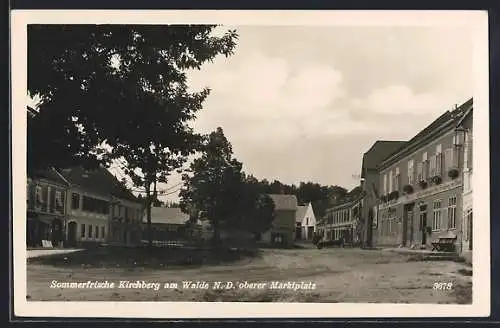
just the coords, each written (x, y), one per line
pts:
(148, 215)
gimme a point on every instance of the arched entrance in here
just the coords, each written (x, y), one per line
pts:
(72, 231)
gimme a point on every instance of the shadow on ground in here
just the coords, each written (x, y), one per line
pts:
(144, 257)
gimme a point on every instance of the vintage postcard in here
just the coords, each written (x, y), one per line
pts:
(226, 164)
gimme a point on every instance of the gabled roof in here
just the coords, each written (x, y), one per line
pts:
(447, 121)
(167, 215)
(100, 181)
(50, 175)
(301, 212)
(379, 151)
(284, 202)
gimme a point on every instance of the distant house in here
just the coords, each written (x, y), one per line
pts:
(305, 222)
(282, 232)
(167, 224)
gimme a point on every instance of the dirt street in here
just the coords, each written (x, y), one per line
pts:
(299, 275)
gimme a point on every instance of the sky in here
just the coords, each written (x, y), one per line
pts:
(303, 103)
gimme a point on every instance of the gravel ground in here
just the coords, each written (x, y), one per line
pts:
(337, 275)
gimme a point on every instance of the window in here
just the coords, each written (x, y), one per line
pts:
(452, 212)
(307, 221)
(38, 197)
(436, 219)
(439, 149)
(90, 231)
(82, 231)
(385, 183)
(75, 201)
(390, 181)
(411, 173)
(439, 164)
(59, 201)
(94, 205)
(424, 157)
(420, 172)
(103, 232)
(432, 166)
(96, 232)
(450, 158)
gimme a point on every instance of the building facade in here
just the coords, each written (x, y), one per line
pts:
(370, 184)
(305, 222)
(343, 221)
(282, 232)
(167, 224)
(46, 209)
(421, 186)
(467, 202)
(100, 209)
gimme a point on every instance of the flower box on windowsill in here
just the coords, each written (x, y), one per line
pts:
(436, 179)
(453, 173)
(408, 189)
(422, 184)
(393, 195)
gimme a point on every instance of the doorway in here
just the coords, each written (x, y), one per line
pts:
(469, 229)
(310, 233)
(72, 227)
(423, 225)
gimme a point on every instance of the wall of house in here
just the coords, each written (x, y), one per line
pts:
(91, 220)
(443, 216)
(467, 202)
(368, 214)
(435, 158)
(283, 224)
(125, 222)
(308, 221)
(46, 197)
(45, 200)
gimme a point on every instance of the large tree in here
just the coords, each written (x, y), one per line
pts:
(215, 186)
(100, 83)
(122, 85)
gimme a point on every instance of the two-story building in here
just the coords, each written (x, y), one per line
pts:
(370, 184)
(282, 230)
(343, 220)
(100, 209)
(421, 185)
(46, 208)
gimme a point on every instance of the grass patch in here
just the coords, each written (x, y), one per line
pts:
(144, 257)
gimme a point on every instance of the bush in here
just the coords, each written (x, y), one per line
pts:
(408, 189)
(453, 173)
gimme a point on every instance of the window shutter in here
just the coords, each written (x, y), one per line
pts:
(432, 165)
(439, 164)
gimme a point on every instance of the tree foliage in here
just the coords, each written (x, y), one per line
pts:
(100, 83)
(123, 85)
(220, 190)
